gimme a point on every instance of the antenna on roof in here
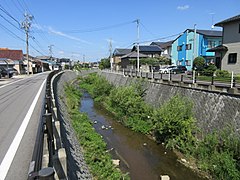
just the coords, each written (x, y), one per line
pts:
(212, 14)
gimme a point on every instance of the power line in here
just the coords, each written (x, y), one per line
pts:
(11, 33)
(18, 7)
(18, 28)
(147, 29)
(99, 28)
(161, 38)
(7, 13)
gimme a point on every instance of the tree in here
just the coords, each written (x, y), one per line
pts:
(105, 63)
(199, 63)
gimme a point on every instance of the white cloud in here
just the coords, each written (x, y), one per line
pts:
(61, 52)
(183, 8)
(59, 33)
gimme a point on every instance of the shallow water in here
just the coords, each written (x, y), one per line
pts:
(140, 156)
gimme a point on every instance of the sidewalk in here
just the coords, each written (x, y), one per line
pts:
(5, 80)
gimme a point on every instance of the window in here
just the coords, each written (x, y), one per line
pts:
(188, 46)
(179, 48)
(211, 44)
(232, 58)
(188, 62)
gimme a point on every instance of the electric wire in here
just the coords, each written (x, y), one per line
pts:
(7, 13)
(18, 28)
(99, 28)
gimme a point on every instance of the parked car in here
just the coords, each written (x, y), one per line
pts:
(179, 69)
(167, 69)
(7, 72)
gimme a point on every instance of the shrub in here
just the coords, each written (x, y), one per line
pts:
(209, 70)
(174, 122)
(222, 73)
(199, 63)
(130, 108)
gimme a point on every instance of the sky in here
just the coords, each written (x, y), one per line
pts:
(82, 29)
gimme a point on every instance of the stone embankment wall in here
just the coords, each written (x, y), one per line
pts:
(76, 166)
(213, 111)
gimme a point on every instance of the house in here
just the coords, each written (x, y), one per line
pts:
(65, 63)
(117, 54)
(6, 63)
(152, 51)
(16, 56)
(166, 48)
(128, 59)
(227, 55)
(184, 52)
(49, 63)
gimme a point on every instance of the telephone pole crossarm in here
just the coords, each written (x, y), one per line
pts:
(26, 24)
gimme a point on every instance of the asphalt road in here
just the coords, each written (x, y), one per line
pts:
(20, 106)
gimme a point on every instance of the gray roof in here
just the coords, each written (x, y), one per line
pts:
(232, 19)
(121, 52)
(212, 33)
(218, 48)
(162, 45)
(151, 48)
(134, 55)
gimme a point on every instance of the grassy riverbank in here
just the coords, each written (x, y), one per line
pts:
(94, 147)
(173, 124)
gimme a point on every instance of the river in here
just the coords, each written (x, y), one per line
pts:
(140, 156)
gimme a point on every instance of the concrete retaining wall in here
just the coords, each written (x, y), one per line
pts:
(212, 110)
(76, 166)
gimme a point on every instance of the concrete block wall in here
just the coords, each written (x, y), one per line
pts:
(213, 110)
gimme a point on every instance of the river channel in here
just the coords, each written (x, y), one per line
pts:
(141, 157)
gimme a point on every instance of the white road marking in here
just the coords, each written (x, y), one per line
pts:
(9, 156)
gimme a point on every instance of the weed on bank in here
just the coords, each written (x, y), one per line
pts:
(94, 147)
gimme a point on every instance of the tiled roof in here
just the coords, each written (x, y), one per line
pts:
(11, 54)
(234, 18)
(121, 52)
(134, 55)
(151, 48)
(162, 45)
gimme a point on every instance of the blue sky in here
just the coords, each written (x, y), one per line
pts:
(78, 28)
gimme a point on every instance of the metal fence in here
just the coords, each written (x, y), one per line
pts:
(193, 77)
(45, 136)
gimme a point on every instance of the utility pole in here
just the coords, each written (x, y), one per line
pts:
(50, 50)
(110, 51)
(26, 24)
(138, 63)
(194, 43)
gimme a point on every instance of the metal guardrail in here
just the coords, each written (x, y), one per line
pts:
(231, 85)
(45, 135)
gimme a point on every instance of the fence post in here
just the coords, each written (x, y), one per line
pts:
(181, 78)
(232, 79)
(152, 74)
(50, 140)
(194, 76)
(46, 174)
(212, 83)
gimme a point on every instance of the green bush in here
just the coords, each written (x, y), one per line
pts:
(174, 122)
(128, 105)
(97, 86)
(222, 73)
(199, 63)
(209, 70)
